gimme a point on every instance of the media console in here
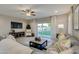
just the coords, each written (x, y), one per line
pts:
(17, 34)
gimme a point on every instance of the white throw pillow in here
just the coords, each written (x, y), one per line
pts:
(11, 37)
(65, 44)
(61, 36)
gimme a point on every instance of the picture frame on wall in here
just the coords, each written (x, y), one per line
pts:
(76, 17)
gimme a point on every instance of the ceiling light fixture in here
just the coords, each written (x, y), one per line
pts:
(29, 12)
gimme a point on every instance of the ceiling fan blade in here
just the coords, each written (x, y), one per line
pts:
(23, 10)
(33, 14)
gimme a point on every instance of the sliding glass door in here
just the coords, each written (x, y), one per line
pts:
(44, 30)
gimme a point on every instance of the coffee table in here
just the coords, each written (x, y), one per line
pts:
(38, 44)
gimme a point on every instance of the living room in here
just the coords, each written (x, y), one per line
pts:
(28, 22)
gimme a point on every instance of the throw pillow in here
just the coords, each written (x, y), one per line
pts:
(11, 37)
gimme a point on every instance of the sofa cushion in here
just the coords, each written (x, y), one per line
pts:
(9, 46)
(68, 51)
(74, 41)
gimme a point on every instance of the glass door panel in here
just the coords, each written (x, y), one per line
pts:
(44, 30)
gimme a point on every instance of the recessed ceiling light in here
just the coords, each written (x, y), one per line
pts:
(56, 11)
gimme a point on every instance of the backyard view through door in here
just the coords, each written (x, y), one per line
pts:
(44, 30)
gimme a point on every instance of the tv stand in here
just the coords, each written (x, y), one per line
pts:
(17, 34)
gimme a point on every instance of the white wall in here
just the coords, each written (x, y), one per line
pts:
(33, 25)
(62, 19)
(5, 24)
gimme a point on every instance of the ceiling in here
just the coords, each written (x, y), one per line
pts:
(42, 10)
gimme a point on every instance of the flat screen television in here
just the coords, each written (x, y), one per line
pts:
(16, 25)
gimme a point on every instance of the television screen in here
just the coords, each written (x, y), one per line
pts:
(16, 25)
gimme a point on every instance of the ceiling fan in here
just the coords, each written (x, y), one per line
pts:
(29, 12)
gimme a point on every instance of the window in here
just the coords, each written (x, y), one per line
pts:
(44, 30)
